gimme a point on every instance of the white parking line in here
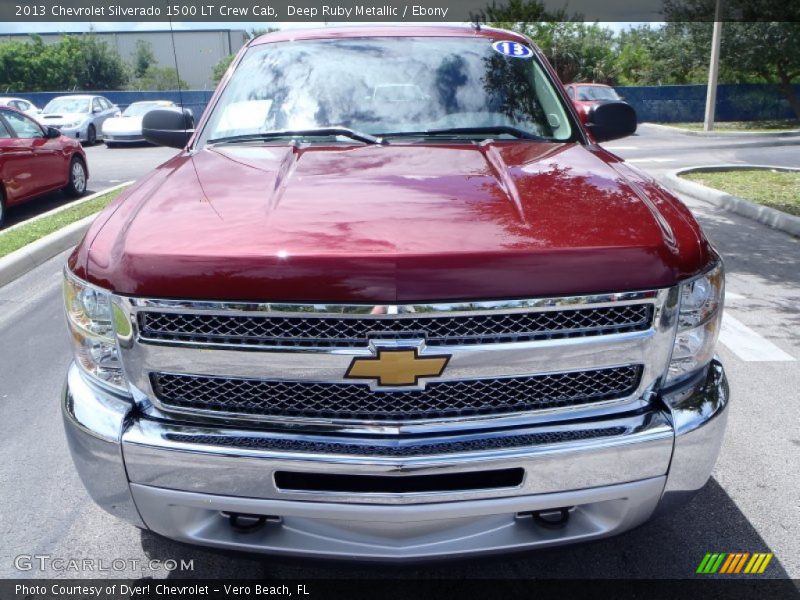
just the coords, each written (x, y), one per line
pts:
(747, 344)
(650, 160)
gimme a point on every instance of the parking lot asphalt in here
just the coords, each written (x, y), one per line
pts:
(750, 504)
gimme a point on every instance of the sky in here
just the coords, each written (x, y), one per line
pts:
(48, 27)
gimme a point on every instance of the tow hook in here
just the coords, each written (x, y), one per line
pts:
(247, 523)
(552, 518)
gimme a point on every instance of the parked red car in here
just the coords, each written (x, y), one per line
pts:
(586, 96)
(35, 159)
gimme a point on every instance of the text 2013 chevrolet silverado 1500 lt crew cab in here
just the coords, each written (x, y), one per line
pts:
(392, 301)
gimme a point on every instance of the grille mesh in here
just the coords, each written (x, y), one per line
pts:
(438, 330)
(471, 445)
(357, 401)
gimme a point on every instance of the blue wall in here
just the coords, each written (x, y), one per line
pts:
(196, 100)
(687, 103)
(655, 104)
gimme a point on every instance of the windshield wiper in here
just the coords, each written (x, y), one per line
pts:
(268, 135)
(487, 131)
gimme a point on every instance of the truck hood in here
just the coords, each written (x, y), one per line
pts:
(395, 223)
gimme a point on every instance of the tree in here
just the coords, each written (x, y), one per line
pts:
(259, 31)
(160, 78)
(73, 63)
(578, 51)
(218, 72)
(22, 65)
(143, 57)
(517, 14)
(763, 45)
(103, 69)
(675, 53)
(771, 51)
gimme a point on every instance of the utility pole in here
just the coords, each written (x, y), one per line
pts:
(713, 69)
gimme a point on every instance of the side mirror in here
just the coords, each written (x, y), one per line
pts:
(97, 110)
(611, 121)
(168, 127)
(52, 133)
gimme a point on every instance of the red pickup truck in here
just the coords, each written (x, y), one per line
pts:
(392, 300)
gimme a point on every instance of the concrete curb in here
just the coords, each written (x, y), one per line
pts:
(67, 206)
(727, 134)
(763, 214)
(34, 254)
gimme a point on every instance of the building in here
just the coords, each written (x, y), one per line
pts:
(197, 50)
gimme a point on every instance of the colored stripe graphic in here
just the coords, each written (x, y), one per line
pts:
(727, 564)
(742, 560)
(732, 559)
(758, 563)
(764, 564)
(733, 563)
(711, 562)
(704, 563)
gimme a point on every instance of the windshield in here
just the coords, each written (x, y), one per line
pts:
(385, 86)
(137, 109)
(67, 105)
(597, 93)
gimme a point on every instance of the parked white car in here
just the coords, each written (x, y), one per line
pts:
(80, 117)
(127, 128)
(22, 105)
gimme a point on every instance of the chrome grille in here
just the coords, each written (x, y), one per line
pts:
(441, 399)
(390, 450)
(438, 330)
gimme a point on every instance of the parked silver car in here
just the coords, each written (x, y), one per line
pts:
(127, 127)
(22, 105)
(79, 116)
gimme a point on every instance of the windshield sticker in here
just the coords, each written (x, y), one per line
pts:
(512, 49)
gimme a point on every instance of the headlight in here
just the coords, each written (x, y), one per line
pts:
(93, 320)
(72, 124)
(699, 317)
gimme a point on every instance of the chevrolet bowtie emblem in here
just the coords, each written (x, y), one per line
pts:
(397, 367)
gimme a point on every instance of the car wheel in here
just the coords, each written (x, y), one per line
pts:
(91, 136)
(77, 178)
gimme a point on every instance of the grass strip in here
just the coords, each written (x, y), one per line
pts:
(16, 238)
(777, 189)
(752, 126)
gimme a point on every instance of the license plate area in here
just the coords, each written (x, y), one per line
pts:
(398, 484)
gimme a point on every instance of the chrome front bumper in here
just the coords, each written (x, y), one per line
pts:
(154, 475)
